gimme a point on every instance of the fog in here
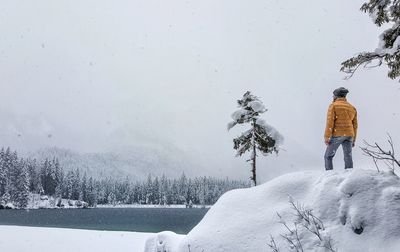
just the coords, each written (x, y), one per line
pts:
(95, 76)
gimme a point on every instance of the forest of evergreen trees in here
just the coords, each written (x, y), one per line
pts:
(20, 177)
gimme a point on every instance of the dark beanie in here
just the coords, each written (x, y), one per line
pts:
(340, 92)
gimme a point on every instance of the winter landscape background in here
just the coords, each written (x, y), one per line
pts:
(135, 96)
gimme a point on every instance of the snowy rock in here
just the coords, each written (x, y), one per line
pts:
(163, 242)
(37, 201)
(360, 210)
(9, 206)
(44, 197)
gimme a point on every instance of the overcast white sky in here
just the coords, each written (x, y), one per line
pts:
(97, 75)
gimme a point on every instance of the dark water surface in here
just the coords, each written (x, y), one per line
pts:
(179, 220)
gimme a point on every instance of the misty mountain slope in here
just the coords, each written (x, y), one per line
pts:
(360, 211)
(135, 162)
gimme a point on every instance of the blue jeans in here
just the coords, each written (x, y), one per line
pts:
(334, 143)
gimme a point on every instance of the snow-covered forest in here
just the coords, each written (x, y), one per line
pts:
(21, 177)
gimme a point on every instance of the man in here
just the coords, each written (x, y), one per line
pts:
(341, 129)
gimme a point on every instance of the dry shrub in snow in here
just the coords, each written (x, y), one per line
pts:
(306, 229)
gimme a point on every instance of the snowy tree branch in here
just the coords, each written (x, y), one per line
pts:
(388, 51)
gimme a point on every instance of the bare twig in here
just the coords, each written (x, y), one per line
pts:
(291, 243)
(272, 245)
(284, 223)
(307, 220)
(297, 238)
(377, 153)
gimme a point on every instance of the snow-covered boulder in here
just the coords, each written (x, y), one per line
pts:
(9, 205)
(163, 242)
(360, 210)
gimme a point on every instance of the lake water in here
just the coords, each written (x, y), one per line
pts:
(178, 220)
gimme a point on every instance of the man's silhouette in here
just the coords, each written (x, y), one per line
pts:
(341, 129)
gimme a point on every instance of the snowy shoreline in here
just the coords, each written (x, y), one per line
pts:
(21, 239)
(37, 201)
(151, 206)
(110, 206)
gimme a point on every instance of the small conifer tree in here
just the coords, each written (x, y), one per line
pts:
(260, 137)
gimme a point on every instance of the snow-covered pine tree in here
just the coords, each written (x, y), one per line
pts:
(59, 175)
(84, 188)
(68, 185)
(163, 190)
(92, 193)
(383, 12)
(125, 191)
(190, 194)
(175, 192)
(112, 199)
(5, 198)
(48, 177)
(33, 175)
(149, 190)
(3, 173)
(260, 136)
(43, 175)
(76, 185)
(21, 194)
(182, 189)
(156, 191)
(13, 173)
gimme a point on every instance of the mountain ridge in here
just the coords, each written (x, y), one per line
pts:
(134, 161)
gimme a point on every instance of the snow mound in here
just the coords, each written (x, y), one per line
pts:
(360, 210)
(163, 242)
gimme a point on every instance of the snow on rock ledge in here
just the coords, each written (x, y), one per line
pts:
(360, 210)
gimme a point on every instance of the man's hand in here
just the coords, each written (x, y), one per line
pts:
(327, 141)
(354, 144)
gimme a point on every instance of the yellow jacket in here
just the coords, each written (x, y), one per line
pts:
(341, 119)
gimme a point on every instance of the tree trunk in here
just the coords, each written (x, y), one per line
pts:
(253, 170)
